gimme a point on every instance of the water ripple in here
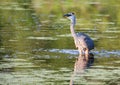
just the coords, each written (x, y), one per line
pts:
(72, 51)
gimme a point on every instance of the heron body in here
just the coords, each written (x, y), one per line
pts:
(87, 41)
(82, 41)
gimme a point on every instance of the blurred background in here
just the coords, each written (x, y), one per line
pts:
(36, 46)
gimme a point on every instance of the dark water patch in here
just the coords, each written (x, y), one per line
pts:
(113, 82)
(5, 70)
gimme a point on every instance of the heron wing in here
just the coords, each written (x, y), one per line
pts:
(85, 41)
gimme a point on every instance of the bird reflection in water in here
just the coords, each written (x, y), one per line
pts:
(81, 64)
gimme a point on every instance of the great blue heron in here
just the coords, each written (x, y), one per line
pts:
(82, 41)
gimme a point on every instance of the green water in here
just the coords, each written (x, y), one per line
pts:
(36, 46)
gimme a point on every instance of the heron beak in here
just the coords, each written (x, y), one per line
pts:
(66, 15)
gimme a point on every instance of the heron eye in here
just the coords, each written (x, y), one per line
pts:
(73, 13)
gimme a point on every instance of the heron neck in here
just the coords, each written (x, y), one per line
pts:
(72, 25)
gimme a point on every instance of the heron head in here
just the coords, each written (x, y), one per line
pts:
(71, 16)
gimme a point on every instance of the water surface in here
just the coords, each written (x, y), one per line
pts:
(36, 47)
